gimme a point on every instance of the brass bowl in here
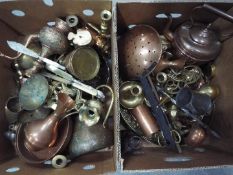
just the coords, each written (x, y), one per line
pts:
(37, 157)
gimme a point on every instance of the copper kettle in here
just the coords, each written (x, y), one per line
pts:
(196, 42)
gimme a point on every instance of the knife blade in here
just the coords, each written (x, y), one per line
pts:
(24, 50)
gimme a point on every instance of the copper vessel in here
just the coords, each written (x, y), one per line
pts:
(27, 116)
(131, 94)
(54, 39)
(140, 50)
(40, 134)
(196, 42)
(196, 136)
(37, 157)
(145, 119)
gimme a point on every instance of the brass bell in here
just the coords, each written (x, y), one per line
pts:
(210, 90)
(173, 112)
(131, 94)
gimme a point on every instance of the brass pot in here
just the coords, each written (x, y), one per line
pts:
(83, 63)
(131, 94)
(210, 90)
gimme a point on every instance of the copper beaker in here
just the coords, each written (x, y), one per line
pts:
(145, 119)
(40, 134)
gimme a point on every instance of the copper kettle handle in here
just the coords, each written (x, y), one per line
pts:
(213, 10)
(167, 32)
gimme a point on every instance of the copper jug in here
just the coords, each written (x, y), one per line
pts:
(42, 133)
(196, 42)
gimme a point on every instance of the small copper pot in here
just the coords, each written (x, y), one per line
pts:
(196, 136)
(145, 119)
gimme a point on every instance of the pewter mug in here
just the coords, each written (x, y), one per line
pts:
(196, 103)
(12, 109)
(88, 139)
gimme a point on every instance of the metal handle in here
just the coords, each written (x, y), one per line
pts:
(218, 12)
(213, 10)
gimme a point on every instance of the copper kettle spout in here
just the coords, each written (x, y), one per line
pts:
(42, 133)
(167, 32)
(165, 63)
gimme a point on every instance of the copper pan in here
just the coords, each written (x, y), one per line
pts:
(140, 49)
(37, 157)
(140, 52)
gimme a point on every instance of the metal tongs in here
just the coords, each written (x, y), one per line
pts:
(57, 69)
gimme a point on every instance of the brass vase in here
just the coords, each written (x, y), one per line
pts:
(40, 134)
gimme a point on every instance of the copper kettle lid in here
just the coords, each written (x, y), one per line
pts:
(140, 49)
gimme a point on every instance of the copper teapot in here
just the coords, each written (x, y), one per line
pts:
(196, 42)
